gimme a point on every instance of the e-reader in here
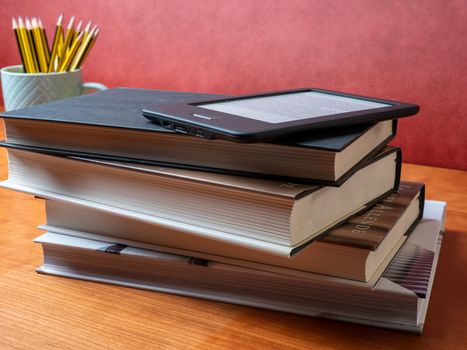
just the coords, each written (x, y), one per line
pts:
(267, 116)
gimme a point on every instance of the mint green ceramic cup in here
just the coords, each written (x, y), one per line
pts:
(22, 90)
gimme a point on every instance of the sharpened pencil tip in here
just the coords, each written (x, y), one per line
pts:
(88, 26)
(78, 27)
(70, 24)
(60, 19)
(15, 25)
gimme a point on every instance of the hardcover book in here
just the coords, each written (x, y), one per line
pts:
(261, 214)
(358, 249)
(109, 125)
(398, 300)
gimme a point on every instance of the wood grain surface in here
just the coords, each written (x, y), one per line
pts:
(45, 312)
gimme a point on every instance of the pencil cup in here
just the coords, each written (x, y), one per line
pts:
(22, 90)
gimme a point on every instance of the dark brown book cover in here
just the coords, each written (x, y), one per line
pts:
(368, 230)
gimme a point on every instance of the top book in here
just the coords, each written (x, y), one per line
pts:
(109, 125)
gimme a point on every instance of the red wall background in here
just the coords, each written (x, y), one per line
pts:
(414, 51)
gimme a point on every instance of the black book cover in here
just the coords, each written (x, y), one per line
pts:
(121, 108)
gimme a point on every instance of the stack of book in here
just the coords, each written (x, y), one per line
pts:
(316, 224)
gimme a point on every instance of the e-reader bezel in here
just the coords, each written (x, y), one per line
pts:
(192, 119)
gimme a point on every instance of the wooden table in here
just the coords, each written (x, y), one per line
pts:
(45, 312)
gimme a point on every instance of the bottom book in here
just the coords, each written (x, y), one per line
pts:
(398, 300)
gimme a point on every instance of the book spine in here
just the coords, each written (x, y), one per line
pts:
(421, 203)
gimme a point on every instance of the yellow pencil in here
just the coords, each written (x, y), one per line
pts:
(44, 41)
(55, 45)
(60, 48)
(39, 45)
(86, 30)
(44, 47)
(67, 41)
(32, 45)
(20, 46)
(35, 43)
(74, 47)
(22, 39)
(26, 44)
(77, 31)
(88, 48)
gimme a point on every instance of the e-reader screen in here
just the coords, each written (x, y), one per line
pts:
(292, 106)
